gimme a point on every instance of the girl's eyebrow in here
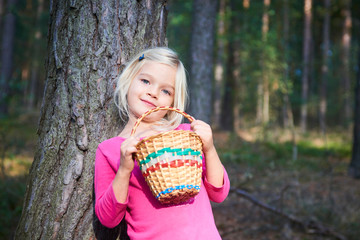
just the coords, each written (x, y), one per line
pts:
(152, 77)
(146, 74)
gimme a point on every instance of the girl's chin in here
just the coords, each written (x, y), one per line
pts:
(152, 117)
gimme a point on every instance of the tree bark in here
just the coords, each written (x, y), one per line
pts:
(324, 67)
(201, 67)
(7, 55)
(306, 61)
(88, 44)
(354, 167)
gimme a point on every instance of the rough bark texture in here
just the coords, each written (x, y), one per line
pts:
(88, 43)
(202, 45)
(354, 168)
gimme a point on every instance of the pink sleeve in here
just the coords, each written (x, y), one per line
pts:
(107, 209)
(218, 194)
(215, 194)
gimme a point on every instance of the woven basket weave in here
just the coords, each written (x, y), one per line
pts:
(171, 162)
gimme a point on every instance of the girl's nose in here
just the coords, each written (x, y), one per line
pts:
(152, 92)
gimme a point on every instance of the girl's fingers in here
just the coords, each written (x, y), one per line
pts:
(128, 147)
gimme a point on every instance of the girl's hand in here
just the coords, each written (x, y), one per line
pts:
(205, 133)
(121, 181)
(126, 151)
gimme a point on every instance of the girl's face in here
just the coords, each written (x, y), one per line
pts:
(153, 86)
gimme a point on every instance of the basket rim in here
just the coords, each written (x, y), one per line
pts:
(137, 123)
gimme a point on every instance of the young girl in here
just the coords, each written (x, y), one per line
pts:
(155, 77)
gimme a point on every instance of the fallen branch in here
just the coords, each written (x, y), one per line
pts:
(310, 227)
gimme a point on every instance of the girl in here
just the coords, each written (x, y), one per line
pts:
(155, 77)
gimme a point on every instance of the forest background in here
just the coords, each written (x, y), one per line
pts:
(282, 106)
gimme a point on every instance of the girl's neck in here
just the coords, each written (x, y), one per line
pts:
(144, 129)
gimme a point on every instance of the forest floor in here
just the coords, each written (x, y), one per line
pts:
(314, 189)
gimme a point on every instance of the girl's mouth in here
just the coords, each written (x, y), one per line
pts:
(148, 103)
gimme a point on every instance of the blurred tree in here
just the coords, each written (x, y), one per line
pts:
(201, 64)
(7, 54)
(227, 103)
(306, 62)
(345, 60)
(246, 4)
(219, 64)
(325, 66)
(2, 4)
(288, 117)
(35, 68)
(239, 87)
(89, 43)
(263, 99)
(230, 110)
(354, 167)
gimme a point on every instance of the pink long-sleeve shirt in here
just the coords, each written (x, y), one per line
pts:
(145, 216)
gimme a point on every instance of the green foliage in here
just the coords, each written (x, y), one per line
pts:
(18, 139)
(12, 192)
(30, 47)
(280, 59)
(266, 154)
(179, 28)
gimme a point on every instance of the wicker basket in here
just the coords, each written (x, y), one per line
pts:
(171, 162)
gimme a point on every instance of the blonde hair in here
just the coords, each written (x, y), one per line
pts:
(159, 55)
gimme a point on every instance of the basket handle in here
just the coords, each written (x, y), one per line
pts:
(190, 118)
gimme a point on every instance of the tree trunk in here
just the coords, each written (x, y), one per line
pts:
(2, 4)
(345, 62)
(324, 67)
(265, 75)
(7, 54)
(230, 115)
(89, 42)
(354, 167)
(32, 96)
(227, 110)
(288, 118)
(246, 4)
(262, 106)
(286, 27)
(306, 61)
(239, 86)
(201, 67)
(220, 66)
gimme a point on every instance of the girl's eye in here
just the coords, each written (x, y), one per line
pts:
(166, 92)
(145, 81)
